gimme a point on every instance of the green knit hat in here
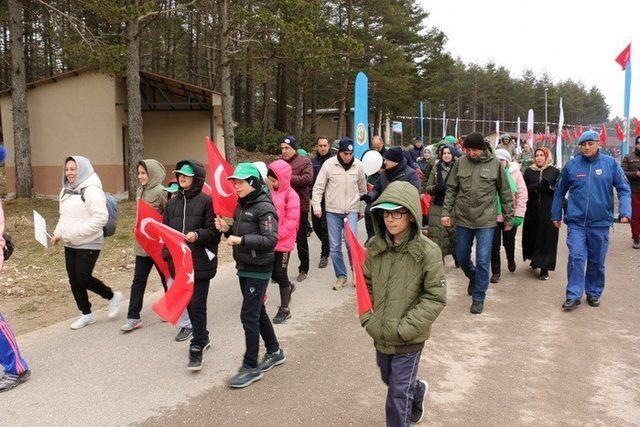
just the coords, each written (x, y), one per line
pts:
(450, 139)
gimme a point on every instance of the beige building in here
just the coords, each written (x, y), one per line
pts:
(84, 113)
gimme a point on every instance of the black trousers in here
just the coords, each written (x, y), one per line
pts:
(255, 321)
(320, 228)
(368, 222)
(281, 276)
(197, 309)
(302, 243)
(400, 373)
(509, 242)
(80, 264)
(144, 264)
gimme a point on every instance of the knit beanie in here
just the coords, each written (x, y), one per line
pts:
(394, 154)
(475, 141)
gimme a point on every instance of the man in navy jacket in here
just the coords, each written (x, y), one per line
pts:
(589, 178)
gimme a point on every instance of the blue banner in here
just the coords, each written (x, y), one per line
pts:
(361, 115)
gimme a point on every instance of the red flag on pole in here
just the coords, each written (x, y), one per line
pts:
(619, 132)
(358, 254)
(224, 197)
(603, 135)
(151, 246)
(624, 57)
(579, 131)
(637, 127)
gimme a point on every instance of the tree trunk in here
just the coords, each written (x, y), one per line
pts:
(250, 97)
(281, 99)
(266, 100)
(313, 128)
(299, 107)
(237, 96)
(134, 114)
(22, 145)
(225, 82)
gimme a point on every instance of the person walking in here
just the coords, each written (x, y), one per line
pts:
(287, 205)
(436, 186)
(520, 196)
(323, 154)
(341, 182)
(378, 145)
(404, 274)
(415, 155)
(539, 235)
(190, 212)
(301, 180)
(631, 168)
(396, 168)
(83, 214)
(589, 178)
(477, 183)
(253, 236)
(507, 143)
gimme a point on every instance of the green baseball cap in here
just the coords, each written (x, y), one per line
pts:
(387, 206)
(450, 139)
(172, 187)
(186, 170)
(244, 171)
(303, 152)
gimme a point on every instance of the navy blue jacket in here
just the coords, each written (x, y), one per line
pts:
(590, 183)
(402, 172)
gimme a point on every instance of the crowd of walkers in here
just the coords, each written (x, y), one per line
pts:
(478, 193)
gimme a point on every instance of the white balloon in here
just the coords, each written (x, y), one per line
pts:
(262, 167)
(371, 162)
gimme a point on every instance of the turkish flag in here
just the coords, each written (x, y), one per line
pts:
(603, 135)
(565, 135)
(358, 254)
(178, 296)
(619, 132)
(223, 195)
(425, 203)
(637, 131)
(624, 57)
(579, 131)
(152, 246)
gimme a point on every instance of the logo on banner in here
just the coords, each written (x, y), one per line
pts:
(361, 134)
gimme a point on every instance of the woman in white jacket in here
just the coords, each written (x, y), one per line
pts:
(83, 213)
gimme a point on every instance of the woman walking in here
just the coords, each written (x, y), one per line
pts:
(539, 235)
(83, 213)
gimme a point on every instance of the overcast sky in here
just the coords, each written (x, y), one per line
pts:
(568, 39)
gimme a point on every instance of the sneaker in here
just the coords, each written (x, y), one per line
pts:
(195, 358)
(114, 305)
(511, 265)
(341, 282)
(245, 377)
(417, 409)
(544, 274)
(184, 334)
(593, 301)
(84, 320)
(495, 278)
(477, 307)
(9, 381)
(636, 244)
(283, 315)
(301, 276)
(270, 360)
(571, 304)
(324, 261)
(131, 324)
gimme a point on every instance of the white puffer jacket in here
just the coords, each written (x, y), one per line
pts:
(80, 224)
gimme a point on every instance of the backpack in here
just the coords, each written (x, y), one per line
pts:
(109, 228)
(8, 246)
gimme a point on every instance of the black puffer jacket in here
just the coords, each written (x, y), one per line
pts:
(256, 221)
(402, 172)
(192, 210)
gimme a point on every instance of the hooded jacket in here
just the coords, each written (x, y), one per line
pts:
(590, 183)
(521, 196)
(192, 210)
(287, 204)
(80, 223)
(473, 187)
(631, 167)
(406, 281)
(152, 192)
(402, 172)
(301, 179)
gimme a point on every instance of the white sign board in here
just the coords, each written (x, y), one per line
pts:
(40, 228)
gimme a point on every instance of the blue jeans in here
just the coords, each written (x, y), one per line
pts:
(479, 273)
(586, 245)
(335, 225)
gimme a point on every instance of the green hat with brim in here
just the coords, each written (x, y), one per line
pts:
(303, 152)
(173, 187)
(186, 170)
(244, 171)
(387, 206)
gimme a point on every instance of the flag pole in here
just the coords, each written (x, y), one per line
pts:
(627, 99)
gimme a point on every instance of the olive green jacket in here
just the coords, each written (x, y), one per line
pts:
(405, 281)
(152, 193)
(473, 189)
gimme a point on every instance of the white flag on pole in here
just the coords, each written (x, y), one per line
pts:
(559, 138)
(444, 124)
(530, 129)
(456, 131)
(497, 133)
(518, 147)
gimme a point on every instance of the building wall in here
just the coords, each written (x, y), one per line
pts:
(74, 115)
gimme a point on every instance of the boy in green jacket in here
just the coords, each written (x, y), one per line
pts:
(405, 277)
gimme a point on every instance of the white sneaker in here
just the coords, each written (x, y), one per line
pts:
(84, 320)
(114, 305)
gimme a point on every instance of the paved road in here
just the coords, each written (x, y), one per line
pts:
(522, 362)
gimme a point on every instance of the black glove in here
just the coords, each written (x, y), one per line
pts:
(366, 198)
(441, 188)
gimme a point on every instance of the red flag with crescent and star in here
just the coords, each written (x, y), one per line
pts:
(358, 254)
(619, 132)
(603, 135)
(637, 132)
(151, 246)
(223, 195)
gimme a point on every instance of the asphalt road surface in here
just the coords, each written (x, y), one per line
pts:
(522, 362)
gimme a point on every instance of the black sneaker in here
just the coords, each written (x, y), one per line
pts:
(324, 261)
(470, 286)
(245, 377)
(184, 334)
(593, 302)
(636, 244)
(271, 360)
(417, 409)
(477, 307)
(495, 278)
(195, 358)
(511, 265)
(571, 304)
(282, 316)
(9, 381)
(544, 274)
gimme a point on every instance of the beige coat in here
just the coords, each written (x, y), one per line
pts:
(341, 189)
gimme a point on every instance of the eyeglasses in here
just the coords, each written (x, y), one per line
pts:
(394, 214)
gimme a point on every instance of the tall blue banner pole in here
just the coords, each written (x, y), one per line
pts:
(627, 99)
(361, 115)
(422, 120)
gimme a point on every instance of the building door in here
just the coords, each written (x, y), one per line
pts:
(125, 156)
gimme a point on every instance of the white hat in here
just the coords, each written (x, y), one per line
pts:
(503, 154)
